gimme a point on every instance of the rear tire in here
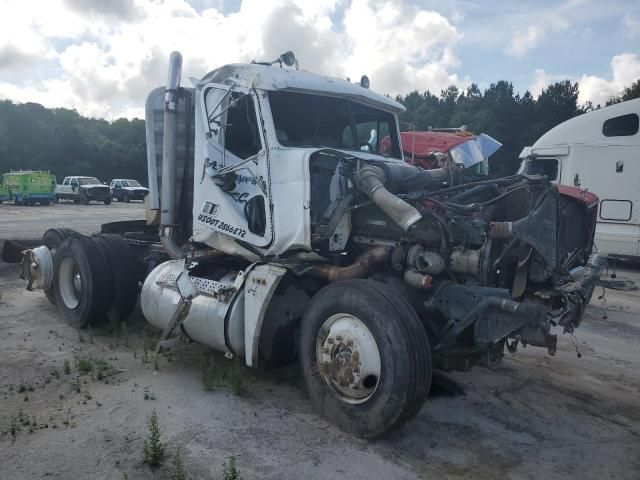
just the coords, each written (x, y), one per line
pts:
(364, 316)
(82, 282)
(123, 265)
(84, 199)
(52, 239)
(126, 198)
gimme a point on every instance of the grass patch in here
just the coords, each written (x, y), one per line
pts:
(154, 448)
(177, 470)
(230, 471)
(84, 365)
(215, 372)
(148, 394)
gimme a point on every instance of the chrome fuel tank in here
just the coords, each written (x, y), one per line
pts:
(216, 314)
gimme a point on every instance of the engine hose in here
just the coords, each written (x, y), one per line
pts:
(357, 269)
(371, 180)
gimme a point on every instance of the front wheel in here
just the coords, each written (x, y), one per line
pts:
(365, 357)
(84, 199)
(107, 201)
(126, 198)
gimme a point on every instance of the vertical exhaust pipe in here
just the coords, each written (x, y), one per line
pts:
(169, 151)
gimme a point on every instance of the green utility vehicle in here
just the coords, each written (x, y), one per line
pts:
(27, 187)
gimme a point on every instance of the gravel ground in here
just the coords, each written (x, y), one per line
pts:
(533, 416)
(33, 221)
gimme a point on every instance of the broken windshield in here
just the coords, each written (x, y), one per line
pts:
(304, 120)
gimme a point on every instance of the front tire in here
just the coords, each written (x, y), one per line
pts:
(365, 357)
(107, 201)
(84, 199)
(126, 198)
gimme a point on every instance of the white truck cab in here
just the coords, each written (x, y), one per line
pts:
(600, 152)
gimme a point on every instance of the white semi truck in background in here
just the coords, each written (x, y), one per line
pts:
(598, 151)
(277, 231)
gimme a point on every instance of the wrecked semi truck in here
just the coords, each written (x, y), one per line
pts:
(282, 233)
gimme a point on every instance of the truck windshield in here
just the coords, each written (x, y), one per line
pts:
(130, 183)
(303, 120)
(88, 181)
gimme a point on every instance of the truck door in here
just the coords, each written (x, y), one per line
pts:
(232, 188)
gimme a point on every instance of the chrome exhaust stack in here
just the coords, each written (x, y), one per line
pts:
(169, 152)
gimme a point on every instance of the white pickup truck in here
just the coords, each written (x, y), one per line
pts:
(83, 190)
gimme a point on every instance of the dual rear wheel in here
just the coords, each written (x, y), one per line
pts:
(93, 277)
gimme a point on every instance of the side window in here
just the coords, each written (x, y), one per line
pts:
(66, 181)
(242, 134)
(74, 182)
(622, 126)
(118, 184)
(547, 167)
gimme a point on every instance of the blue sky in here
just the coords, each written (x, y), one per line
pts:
(103, 57)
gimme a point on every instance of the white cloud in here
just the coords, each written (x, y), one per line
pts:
(631, 24)
(107, 57)
(625, 69)
(541, 81)
(400, 48)
(523, 41)
(533, 27)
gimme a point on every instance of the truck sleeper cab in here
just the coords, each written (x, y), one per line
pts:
(598, 151)
(284, 233)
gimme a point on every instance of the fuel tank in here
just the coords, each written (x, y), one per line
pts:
(216, 314)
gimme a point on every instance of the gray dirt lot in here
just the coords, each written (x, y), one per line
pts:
(534, 416)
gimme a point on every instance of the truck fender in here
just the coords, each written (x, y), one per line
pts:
(260, 284)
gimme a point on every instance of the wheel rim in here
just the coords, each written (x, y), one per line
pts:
(348, 358)
(70, 282)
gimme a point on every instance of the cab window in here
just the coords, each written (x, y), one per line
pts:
(622, 126)
(241, 135)
(547, 167)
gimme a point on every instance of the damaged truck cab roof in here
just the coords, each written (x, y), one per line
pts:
(266, 77)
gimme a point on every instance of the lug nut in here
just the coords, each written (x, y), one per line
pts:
(349, 343)
(339, 338)
(330, 340)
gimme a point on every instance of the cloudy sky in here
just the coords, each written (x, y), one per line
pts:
(101, 57)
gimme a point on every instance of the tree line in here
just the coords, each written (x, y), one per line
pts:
(64, 142)
(514, 120)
